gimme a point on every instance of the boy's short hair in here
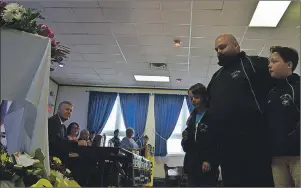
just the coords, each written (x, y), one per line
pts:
(287, 54)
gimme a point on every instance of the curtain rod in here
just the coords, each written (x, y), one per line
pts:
(137, 92)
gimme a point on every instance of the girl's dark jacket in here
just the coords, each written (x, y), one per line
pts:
(201, 148)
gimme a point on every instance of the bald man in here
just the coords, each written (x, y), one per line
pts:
(237, 92)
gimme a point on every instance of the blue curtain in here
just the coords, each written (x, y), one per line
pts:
(99, 110)
(189, 104)
(134, 109)
(167, 111)
(3, 109)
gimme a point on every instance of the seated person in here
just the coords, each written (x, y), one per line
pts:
(97, 141)
(92, 136)
(143, 149)
(115, 141)
(84, 138)
(73, 131)
(128, 142)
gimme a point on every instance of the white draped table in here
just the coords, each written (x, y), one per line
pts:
(25, 69)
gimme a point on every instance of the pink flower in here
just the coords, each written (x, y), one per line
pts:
(54, 42)
(46, 32)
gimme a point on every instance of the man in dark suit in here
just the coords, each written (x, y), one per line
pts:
(57, 132)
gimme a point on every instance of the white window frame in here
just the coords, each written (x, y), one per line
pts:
(114, 122)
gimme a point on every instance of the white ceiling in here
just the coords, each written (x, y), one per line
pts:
(111, 41)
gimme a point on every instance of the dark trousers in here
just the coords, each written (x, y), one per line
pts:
(201, 179)
(245, 164)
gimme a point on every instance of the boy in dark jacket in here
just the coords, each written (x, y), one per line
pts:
(200, 161)
(283, 116)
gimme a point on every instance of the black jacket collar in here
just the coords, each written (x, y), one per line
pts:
(228, 61)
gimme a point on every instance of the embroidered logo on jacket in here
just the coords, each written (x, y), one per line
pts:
(235, 73)
(203, 127)
(286, 99)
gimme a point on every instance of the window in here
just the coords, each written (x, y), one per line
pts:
(114, 122)
(174, 142)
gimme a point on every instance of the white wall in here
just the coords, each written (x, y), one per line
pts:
(52, 99)
(79, 97)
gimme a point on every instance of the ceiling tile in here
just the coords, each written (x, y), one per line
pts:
(149, 29)
(290, 19)
(200, 17)
(208, 5)
(176, 51)
(146, 16)
(88, 15)
(114, 4)
(75, 57)
(202, 52)
(131, 50)
(138, 4)
(135, 58)
(215, 31)
(177, 59)
(153, 40)
(83, 76)
(32, 4)
(89, 39)
(123, 29)
(104, 57)
(200, 60)
(97, 49)
(153, 50)
(84, 28)
(59, 15)
(202, 42)
(176, 30)
(75, 70)
(240, 5)
(132, 66)
(127, 40)
(156, 58)
(271, 33)
(176, 4)
(176, 17)
(90, 64)
(252, 44)
(118, 15)
(178, 67)
(66, 4)
(198, 70)
(101, 72)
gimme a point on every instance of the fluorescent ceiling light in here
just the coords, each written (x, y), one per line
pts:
(151, 78)
(268, 13)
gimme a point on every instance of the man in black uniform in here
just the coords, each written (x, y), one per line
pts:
(237, 93)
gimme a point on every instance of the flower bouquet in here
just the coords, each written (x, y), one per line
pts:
(15, 16)
(60, 176)
(18, 174)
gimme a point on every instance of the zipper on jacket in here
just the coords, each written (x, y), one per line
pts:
(251, 87)
(293, 91)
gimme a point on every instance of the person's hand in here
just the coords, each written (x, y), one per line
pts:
(206, 167)
(185, 135)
